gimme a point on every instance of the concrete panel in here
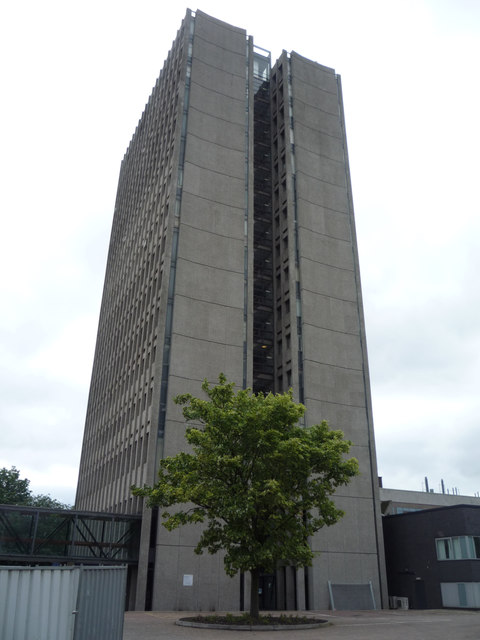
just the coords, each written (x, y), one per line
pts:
(196, 245)
(174, 436)
(330, 313)
(354, 569)
(317, 166)
(217, 129)
(223, 34)
(219, 105)
(165, 577)
(211, 588)
(313, 73)
(314, 117)
(334, 384)
(317, 141)
(215, 157)
(322, 220)
(323, 193)
(354, 533)
(233, 364)
(216, 590)
(212, 216)
(186, 536)
(187, 596)
(336, 253)
(370, 573)
(198, 359)
(177, 386)
(218, 187)
(218, 56)
(318, 576)
(315, 96)
(332, 347)
(351, 420)
(361, 485)
(329, 281)
(338, 567)
(221, 81)
(365, 524)
(209, 284)
(213, 322)
(184, 385)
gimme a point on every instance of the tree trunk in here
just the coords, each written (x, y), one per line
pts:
(254, 599)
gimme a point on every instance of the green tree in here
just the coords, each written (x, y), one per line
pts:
(46, 501)
(13, 489)
(261, 484)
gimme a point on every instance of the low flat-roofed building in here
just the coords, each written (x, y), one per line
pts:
(396, 501)
(432, 552)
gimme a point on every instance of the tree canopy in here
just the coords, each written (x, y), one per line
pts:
(260, 483)
(15, 490)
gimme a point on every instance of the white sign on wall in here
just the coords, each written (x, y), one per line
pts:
(187, 580)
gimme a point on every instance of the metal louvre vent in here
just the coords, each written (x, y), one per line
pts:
(351, 597)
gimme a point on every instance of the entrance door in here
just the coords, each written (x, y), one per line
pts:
(267, 592)
(420, 595)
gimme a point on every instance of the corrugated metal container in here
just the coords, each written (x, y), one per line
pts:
(62, 603)
(101, 603)
(37, 603)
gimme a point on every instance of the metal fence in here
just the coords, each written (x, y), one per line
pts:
(62, 603)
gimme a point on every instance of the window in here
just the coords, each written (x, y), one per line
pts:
(461, 594)
(444, 549)
(458, 548)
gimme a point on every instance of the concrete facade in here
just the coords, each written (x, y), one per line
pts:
(233, 250)
(397, 501)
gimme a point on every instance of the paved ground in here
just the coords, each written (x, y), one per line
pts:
(345, 625)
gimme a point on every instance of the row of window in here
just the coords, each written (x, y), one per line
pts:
(121, 390)
(458, 548)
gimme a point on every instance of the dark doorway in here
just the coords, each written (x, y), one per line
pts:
(267, 592)
(419, 595)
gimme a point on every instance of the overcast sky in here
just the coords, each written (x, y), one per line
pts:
(74, 80)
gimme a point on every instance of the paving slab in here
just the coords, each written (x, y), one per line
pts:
(432, 624)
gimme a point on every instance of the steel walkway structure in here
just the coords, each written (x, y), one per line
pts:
(52, 536)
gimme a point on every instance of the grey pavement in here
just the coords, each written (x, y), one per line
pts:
(444, 624)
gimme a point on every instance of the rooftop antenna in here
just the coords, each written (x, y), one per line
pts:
(426, 485)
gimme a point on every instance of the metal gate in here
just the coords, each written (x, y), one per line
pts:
(101, 603)
(62, 603)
